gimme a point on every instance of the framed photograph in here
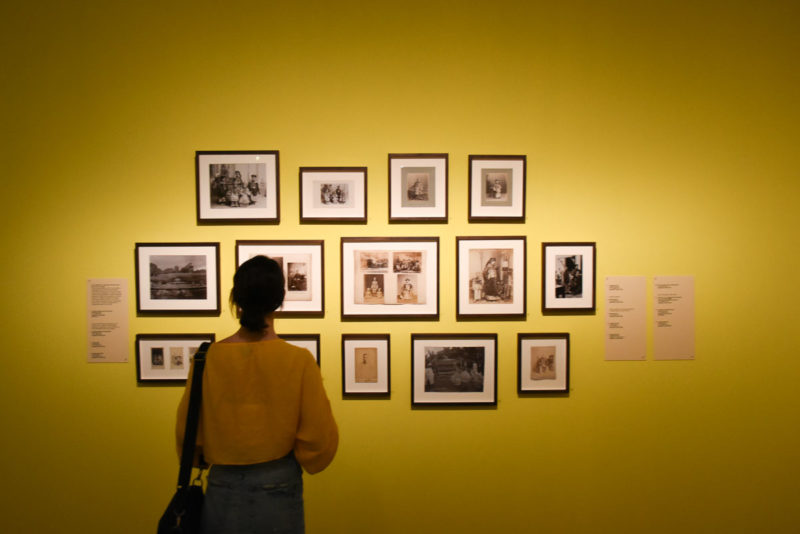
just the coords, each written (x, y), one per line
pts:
(310, 342)
(543, 363)
(390, 277)
(237, 187)
(490, 278)
(365, 364)
(418, 187)
(166, 358)
(568, 276)
(497, 188)
(453, 369)
(181, 278)
(333, 194)
(303, 266)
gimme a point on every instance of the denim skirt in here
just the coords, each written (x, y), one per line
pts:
(255, 499)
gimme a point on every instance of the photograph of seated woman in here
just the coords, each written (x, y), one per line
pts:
(264, 417)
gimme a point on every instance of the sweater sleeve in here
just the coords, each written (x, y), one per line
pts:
(317, 434)
(180, 421)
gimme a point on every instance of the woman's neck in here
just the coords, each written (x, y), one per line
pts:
(243, 335)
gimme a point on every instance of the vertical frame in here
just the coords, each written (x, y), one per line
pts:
(497, 188)
(491, 277)
(543, 363)
(568, 276)
(366, 365)
(418, 185)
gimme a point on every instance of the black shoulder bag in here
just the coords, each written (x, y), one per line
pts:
(186, 507)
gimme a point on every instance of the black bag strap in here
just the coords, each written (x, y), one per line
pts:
(192, 416)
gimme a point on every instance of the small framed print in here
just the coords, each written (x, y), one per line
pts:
(303, 270)
(491, 281)
(180, 278)
(390, 277)
(166, 358)
(333, 194)
(418, 187)
(568, 277)
(497, 188)
(365, 364)
(453, 369)
(310, 342)
(237, 186)
(543, 363)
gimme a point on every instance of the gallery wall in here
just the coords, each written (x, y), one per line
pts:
(665, 132)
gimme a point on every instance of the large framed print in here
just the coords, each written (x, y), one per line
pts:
(568, 276)
(491, 277)
(333, 194)
(453, 369)
(418, 187)
(390, 277)
(543, 363)
(180, 278)
(165, 358)
(303, 263)
(497, 188)
(310, 342)
(365, 364)
(237, 186)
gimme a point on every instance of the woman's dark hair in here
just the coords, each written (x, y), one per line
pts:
(257, 291)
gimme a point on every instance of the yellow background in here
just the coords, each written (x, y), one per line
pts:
(667, 132)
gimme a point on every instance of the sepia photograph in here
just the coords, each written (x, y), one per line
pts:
(418, 187)
(568, 276)
(333, 194)
(491, 277)
(454, 368)
(497, 188)
(165, 358)
(365, 364)
(543, 363)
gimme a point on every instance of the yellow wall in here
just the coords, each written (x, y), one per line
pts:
(667, 132)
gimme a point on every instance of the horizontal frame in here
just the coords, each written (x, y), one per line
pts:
(453, 369)
(543, 363)
(303, 264)
(491, 281)
(333, 194)
(497, 188)
(366, 365)
(418, 185)
(165, 358)
(390, 277)
(568, 276)
(237, 186)
(310, 342)
(177, 278)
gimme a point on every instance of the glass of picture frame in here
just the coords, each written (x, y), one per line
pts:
(497, 188)
(333, 194)
(543, 363)
(453, 369)
(237, 186)
(166, 358)
(418, 188)
(303, 264)
(177, 278)
(568, 277)
(310, 342)
(366, 364)
(491, 277)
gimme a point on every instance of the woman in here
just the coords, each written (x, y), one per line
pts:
(264, 415)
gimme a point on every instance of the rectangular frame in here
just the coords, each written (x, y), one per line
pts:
(310, 342)
(390, 277)
(321, 202)
(578, 292)
(303, 264)
(222, 198)
(446, 369)
(183, 289)
(491, 280)
(497, 188)
(418, 188)
(175, 356)
(373, 378)
(543, 363)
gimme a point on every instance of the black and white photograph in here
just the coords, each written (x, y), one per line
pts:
(543, 363)
(418, 187)
(237, 187)
(165, 358)
(568, 276)
(366, 365)
(454, 369)
(310, 342)
(302, 264)
(390, 277)
(491, 277)
(333, 194)
(177, 278)
(497, 188)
